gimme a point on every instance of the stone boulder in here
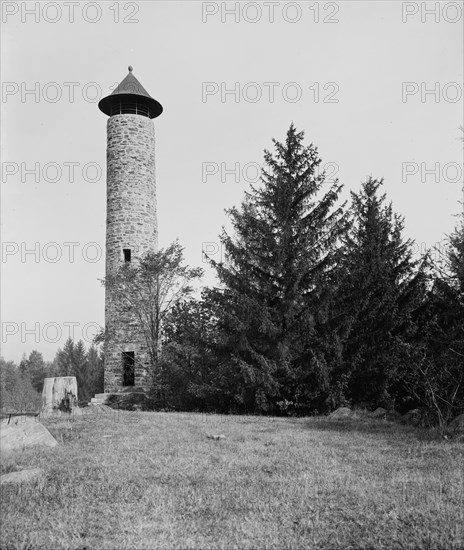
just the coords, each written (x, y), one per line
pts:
(34, 475)
(415, 417)
(456, 426)
(341, 413)
(412, 417)
(379, 413)
(20, 432)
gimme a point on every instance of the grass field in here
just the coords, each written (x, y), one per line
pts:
(154, 480)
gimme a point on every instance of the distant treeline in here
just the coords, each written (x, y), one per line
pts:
(21, 385)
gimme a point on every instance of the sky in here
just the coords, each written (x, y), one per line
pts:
(376, 86)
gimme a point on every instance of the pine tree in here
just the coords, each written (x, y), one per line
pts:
(33, 369)
(86, 366)
(80, 369)
(437, 380)
(64, 363)
(95, 371)
(380, 287)
(37, 369)
(23, 367)
(274, 281)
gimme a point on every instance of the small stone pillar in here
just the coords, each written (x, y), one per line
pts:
(59, 393)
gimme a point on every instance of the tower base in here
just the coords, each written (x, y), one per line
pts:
(118, 399)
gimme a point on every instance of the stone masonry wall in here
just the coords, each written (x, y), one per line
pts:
(131, 223)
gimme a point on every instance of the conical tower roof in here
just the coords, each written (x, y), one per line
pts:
(130, 94)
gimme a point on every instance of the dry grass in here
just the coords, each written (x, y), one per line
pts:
(154, 480)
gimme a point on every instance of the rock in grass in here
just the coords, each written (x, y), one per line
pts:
(21, 432)
(411, 417)
(24, 476)
(456, 426)
(379, 413)
(216, 437)
(340, 413)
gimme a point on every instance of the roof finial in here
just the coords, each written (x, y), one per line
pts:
(130, 68)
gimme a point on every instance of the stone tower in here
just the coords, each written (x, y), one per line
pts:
(131, 226)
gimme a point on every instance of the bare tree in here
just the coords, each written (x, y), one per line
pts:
(149, 289)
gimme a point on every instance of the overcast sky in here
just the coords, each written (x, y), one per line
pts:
(377, 86)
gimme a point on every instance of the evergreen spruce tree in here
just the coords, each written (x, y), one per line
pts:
(380, 289)
(276, 282)
(33, 369)
(86, 366)
(64, 361)
(437, 380)
(95, 371)
(81, 370)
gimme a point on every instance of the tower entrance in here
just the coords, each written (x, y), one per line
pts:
(128, 368)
